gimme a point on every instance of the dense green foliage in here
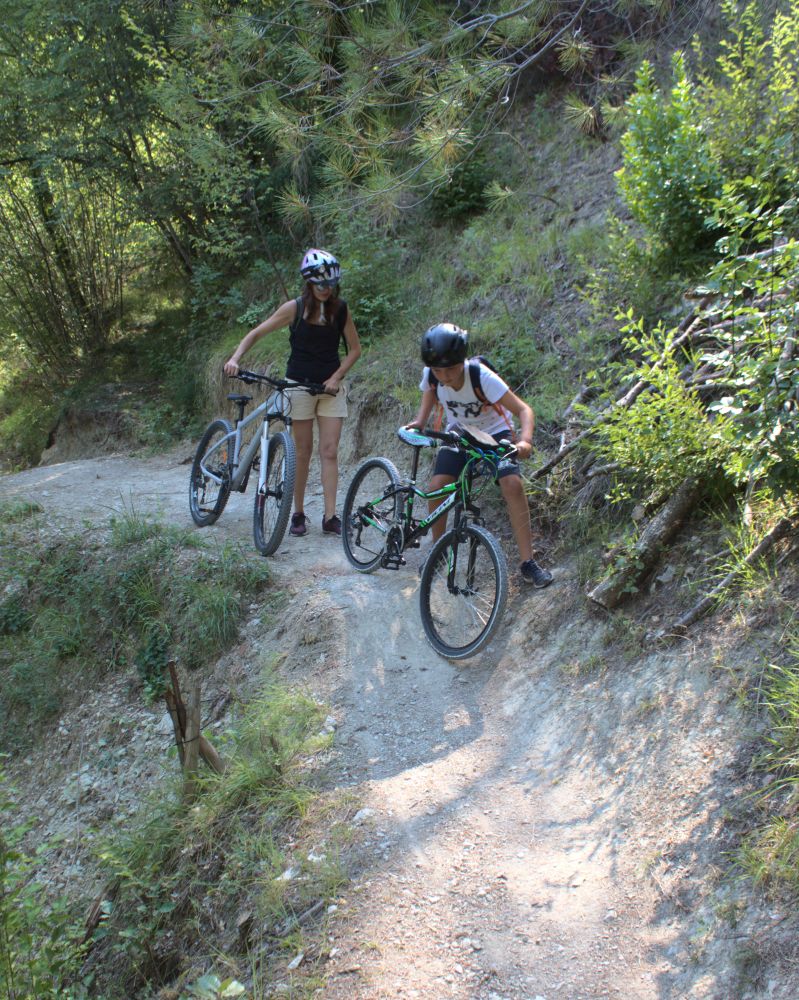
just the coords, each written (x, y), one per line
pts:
(199, 144)
(669, 178)
(733, 387)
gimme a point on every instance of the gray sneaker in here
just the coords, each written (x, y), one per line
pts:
(533, 573)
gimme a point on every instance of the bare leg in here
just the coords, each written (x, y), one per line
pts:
(302, 432)
(519, 512)
(329, 436)
(436, 483)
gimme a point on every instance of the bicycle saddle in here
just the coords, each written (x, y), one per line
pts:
(415, 439)
(476, 437)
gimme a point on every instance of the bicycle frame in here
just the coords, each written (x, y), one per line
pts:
(455, 496)
(241, 463)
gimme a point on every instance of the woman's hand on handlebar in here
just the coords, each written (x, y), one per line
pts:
(523, 449)
(231, 367)
(332, 385)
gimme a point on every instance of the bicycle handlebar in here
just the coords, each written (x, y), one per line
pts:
(454, 438)
(314, 388)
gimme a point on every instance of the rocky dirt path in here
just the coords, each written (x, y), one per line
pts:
(537, 823)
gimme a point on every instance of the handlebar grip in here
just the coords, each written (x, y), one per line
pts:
(448, 437)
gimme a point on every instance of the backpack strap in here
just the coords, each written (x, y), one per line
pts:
(297, 315)
(474, 377)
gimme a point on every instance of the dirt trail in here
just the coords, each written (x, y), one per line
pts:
(538, 823)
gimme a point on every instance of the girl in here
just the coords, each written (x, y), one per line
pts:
(318, 320)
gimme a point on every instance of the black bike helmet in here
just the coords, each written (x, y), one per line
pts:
(444, 345)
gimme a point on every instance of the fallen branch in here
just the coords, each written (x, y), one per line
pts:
(701, 608)
(609, 592)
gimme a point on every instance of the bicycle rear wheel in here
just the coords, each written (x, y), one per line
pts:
(273, 506)
(368, 513)
(209, 486)
(463, 591)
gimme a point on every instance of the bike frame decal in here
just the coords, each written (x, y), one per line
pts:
(439, 511)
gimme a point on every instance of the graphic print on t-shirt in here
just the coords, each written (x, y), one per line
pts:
(463, 406)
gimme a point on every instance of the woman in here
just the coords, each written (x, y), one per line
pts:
(317, 321)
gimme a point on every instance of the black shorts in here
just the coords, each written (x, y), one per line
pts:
(451, 461)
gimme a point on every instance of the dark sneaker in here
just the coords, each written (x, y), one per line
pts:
(331, 526)
(298, 525)
(533, 573)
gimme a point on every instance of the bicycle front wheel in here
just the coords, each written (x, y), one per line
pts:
(370, 509)
(463, 591)
(209, 486)
(273, 504)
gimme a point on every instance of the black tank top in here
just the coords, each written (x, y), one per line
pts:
(314, 346)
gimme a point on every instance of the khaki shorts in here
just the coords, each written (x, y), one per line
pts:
(304, 406)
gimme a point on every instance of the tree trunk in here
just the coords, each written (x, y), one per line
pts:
(658, 533)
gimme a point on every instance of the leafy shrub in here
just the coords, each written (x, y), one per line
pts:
(26, 419)
(750, 93)
(665, 435)
(669, 175)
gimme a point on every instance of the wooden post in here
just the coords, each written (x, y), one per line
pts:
(178, 714)
(191, 745)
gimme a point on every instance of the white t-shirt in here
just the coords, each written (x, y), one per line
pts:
(463, 407)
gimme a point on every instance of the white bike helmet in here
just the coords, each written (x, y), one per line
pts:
(320, 268)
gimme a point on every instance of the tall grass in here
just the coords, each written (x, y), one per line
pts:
(78, 607)
(181, 876)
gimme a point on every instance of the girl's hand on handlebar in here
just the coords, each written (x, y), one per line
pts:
(523, 449)
(231, 367)
(332, 385)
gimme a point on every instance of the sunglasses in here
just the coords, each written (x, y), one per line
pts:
(326, 283)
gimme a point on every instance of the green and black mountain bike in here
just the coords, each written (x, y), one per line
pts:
(464, 582)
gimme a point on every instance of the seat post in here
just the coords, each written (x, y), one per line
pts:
(415, 463)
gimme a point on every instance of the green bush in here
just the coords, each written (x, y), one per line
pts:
(665, 435)
(750, 94)
(669, 177)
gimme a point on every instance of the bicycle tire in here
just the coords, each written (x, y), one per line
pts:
(271, 509)
(207, 498)
(458, 625)
(367, 514)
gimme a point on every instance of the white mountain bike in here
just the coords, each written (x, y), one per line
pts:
(221, 466)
